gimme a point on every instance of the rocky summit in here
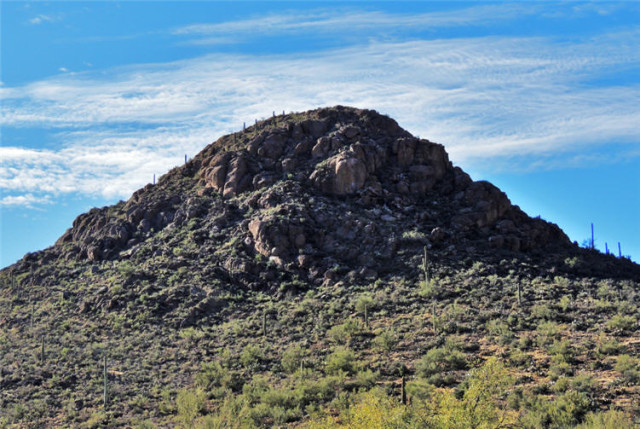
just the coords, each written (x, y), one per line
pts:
(276, 235)
(332, 187)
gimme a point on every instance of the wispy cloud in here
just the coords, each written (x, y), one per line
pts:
(489, 99)
(39, 19)
(354, 20)
(26, 201)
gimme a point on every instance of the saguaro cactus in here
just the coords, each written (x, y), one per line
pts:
(425, 266)
(105, 381)
(519, 295)
(264, 323)
(42, 355)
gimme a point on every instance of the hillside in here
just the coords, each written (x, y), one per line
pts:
(295, 263)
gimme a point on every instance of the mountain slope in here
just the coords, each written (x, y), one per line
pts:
(284, 234)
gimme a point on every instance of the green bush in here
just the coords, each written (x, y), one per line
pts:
(500, 330)
(342, 334)
(608, 346)
(547, 332)
(439, 360)
(611, 419)
(562, 351)
(565, 411)
(213, 375)
(292, 358)
(190, 405)
(342, 359)
(251, 356)
(621, 324)
(386, 340)
(629, 368)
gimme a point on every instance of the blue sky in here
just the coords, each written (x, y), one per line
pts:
(542, 99)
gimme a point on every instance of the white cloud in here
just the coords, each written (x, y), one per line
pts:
(27, 201)
(487, 99)
(342, 21)
(42, 18)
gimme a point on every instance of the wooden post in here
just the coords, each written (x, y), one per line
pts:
(403, 393)
(606, 248)
(619, 250)
(185, 159)
(593, 242)
(154, 179)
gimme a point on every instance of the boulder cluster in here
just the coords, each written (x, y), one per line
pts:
(330, 187)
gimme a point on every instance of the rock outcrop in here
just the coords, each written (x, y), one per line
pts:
(309, 192)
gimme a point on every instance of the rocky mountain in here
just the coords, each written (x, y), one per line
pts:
(276, 235)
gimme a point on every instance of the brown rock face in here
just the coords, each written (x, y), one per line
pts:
(313, 189)
(350, 174)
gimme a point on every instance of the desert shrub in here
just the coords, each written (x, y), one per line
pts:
(559, 368)
(429, 289)
(292, 358)
(520, 358)
(364, 305)
(479, 406)
(573, 262)
(232, 413)
(254, 389)
(525, 342)
(628, 367)
(190, 405)
(562, 351)
(542, 312)
(214, 375)
(439, 360)
(366, 379)
(564, 411)
(565, 303)
(386, 340)
(309, 391)
(608, 346)
(547, 332)
(621, 324)
(610, 419)
(500, 330)
(251, 356)
(414, 236)
(480, 403)
(372, 409)
(342, 359)
(419, 389)
(342, 334)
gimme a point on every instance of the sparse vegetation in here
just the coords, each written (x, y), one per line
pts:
(281, 304)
